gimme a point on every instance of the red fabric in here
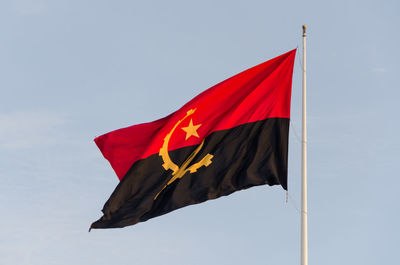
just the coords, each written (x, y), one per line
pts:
(258, 93)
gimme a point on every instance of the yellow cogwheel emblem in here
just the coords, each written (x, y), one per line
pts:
(178, 172)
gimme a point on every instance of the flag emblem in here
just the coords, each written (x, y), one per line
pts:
(178, 172)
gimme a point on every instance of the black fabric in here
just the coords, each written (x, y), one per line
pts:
(247, 155)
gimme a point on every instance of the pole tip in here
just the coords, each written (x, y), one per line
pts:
(304, 30)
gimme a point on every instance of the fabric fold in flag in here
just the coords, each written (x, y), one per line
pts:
(231, 137)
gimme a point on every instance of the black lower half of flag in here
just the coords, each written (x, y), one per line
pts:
(227, 161)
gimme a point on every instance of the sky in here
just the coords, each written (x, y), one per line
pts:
(73, 70)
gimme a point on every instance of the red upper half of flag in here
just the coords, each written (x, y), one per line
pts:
(258, 93)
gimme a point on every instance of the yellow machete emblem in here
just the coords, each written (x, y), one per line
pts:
(178, 172)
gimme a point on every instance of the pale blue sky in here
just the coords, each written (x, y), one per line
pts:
(73, 70)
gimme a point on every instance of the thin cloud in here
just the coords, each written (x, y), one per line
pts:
(23, 129)
(379, 70)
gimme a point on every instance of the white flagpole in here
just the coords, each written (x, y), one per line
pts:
(304, 239)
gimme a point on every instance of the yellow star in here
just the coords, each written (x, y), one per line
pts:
(191, 130)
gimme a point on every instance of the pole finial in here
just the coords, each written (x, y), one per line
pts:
(304, 30)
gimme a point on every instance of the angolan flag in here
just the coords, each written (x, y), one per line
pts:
(231, 137)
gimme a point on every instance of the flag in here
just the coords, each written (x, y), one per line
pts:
(230, 137)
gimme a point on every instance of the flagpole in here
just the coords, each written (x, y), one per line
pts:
(304, 239)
